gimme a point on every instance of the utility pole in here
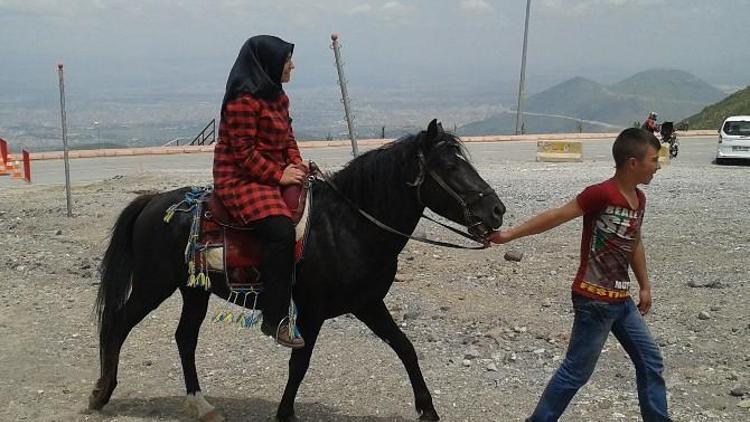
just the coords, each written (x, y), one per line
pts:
(522, 81)
(344, 93)
(98, 134)
(63, 119)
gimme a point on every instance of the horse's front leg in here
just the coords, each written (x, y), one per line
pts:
(194, 307)
(379, 320)
(298, 364)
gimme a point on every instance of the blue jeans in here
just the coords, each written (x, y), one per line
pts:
(591, 326)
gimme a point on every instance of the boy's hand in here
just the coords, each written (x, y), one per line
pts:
(644, 301)
(499, 237)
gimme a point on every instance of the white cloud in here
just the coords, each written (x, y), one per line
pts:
(586, 7)
(397, 8)
(360, 9)
(475, 6)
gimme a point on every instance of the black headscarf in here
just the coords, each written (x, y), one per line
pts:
(258, 69)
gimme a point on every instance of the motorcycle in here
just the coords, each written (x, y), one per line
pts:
(668, 135)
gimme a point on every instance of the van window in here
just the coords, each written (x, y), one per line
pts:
(737, 128)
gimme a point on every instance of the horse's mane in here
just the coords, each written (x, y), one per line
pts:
(374, 175)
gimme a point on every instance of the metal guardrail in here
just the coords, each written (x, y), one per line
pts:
(207, 134)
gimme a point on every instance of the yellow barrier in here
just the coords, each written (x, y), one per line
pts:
(558, 151)
(664, 155)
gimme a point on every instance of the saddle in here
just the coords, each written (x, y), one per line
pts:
(233, 249)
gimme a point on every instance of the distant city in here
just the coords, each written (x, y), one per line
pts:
(148, 117)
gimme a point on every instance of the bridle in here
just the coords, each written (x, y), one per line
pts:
(424, 171)
(464, 203)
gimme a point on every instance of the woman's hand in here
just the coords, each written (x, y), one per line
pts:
(304, 166)
(292, 175)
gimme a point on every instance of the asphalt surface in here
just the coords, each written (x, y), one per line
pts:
(693, 151)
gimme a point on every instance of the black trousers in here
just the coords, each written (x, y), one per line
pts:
(276, 270)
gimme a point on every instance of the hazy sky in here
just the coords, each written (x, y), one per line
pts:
(190, 45)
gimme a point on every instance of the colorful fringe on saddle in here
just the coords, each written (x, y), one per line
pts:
(193, 203)
(246, 317)
(243, 319)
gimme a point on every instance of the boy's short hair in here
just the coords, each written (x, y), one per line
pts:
(632, 143)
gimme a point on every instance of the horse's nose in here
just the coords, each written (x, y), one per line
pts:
(497, 213)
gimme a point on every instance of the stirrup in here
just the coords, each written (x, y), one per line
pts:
(291, 338)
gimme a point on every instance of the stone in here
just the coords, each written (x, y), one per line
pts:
(401, 278)
(513, 255)
(739, 391)
(472, 353)
(703, 315)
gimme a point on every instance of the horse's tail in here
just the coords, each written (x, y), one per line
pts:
(117, 266)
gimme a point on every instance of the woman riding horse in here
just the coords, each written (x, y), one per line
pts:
(255, 156)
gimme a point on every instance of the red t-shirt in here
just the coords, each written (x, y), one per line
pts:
(610, 229)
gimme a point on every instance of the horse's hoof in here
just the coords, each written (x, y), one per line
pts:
(212, 416)
(429, 415)
(95, 403)
(287, 418)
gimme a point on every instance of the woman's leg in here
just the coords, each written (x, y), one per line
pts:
(276, 270)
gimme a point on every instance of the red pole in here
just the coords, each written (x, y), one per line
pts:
(26, 166)
(3, 150)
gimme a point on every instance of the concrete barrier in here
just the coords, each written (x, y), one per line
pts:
(664, 159)
(559, 151)
(339, 143)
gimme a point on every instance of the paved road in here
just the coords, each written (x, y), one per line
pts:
(694, 151)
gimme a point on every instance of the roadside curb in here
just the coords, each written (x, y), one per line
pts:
(193, 149)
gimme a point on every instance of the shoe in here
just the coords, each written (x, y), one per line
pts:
(282, 335)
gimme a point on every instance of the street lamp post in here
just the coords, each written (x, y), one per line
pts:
(522, 81)
(98, 134)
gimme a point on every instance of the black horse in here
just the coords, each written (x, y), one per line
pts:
(349, 263)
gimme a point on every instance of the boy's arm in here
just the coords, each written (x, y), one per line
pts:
(540, 223)
(638, 264)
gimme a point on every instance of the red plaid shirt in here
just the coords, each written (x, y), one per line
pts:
(255, 144)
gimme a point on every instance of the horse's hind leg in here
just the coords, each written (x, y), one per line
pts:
(113, 334)
(379, 320)
(194, 307)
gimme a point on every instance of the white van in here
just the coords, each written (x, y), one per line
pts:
(734, 139)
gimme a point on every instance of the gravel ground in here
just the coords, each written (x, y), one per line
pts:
(489, 333)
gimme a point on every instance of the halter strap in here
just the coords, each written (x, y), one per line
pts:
(315, 170)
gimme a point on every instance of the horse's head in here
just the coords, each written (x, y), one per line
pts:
(448, 184)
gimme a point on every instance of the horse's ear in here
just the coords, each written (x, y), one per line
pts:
(434, 131)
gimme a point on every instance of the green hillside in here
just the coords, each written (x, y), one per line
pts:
(712, 116)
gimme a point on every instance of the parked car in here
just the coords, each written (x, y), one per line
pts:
(734, 139)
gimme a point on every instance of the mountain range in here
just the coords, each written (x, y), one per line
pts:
(582, 104)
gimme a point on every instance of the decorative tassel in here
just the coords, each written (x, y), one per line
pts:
(219, 316)
(168, 215)
(208, 281)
